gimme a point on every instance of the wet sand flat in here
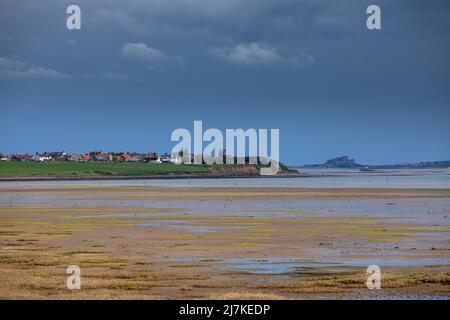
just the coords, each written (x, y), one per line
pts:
(223, 242)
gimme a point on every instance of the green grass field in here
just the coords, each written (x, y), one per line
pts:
(87, 169)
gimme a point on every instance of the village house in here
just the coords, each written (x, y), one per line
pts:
(4, 157)
(166, 158)
(126, 157)
(22, 157)
(116, 157)
(102, 157)
(74, 157)
(85, 157)
(57, 156)
(42, 157)
(136, 157)
(152, 157)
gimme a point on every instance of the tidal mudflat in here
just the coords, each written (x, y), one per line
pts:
(138, 242)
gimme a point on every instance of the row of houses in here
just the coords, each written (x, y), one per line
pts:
(151, 157)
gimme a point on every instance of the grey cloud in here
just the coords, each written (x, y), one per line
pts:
(148, 55)
(252, 53)
(257, 54)
(239, 18)
(16, 69)
(159, 33)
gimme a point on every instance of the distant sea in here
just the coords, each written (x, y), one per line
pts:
(319, 178)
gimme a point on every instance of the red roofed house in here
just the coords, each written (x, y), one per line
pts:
(126, 157)
(85, 157)
(103, 157)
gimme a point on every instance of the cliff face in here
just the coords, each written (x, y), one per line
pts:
(246, 170)
(235, 169)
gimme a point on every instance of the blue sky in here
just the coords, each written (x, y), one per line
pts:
(139, 69)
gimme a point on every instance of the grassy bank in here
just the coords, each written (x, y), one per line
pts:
(87, 169)
(74, 170)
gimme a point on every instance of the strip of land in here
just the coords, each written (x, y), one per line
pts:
(48, 171)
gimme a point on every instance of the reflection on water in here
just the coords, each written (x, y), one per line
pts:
(279, 266)
(272, 266)
(293, 266)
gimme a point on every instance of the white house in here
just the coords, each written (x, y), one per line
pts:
(41, 158)
(165, 158)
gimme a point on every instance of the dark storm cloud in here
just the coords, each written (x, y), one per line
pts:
(309, 67)
(237, 29)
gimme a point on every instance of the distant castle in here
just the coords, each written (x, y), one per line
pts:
(341, 162)
(344, 162)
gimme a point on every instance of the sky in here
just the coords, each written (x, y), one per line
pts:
(139, 69)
